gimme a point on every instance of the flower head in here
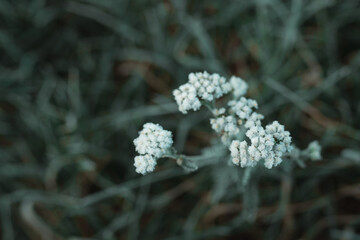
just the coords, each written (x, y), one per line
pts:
(186, 98)
(144, 164)
(226, 126)
(268, 144)
(239, 86)
(254, 120)
(282, 137)
(153, 140)
(241, 155)
(209, 86)
(244, 109)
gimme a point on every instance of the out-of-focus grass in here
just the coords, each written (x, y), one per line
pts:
(79, 78)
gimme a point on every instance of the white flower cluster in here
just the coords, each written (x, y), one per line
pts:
(225, 125)
(239, 86)
(201, 86)
(264, 143)
(153, 142)
(144, 164)
(268, 144)
(314, 151)
(254, 120)
(281, 136)
(239, 154)
(244, 109)
(186, 98)
(209, 86)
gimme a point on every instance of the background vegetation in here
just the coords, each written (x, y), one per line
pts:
(79, 78)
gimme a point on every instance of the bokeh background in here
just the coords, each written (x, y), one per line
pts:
(80, 78)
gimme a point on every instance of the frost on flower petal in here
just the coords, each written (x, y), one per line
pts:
(153, 140)
(239, 86)
(144, 164)
(186, 98)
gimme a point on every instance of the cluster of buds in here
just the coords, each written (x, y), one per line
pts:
(201, 86)
(269, 144)
(238, 125)
(152, 143)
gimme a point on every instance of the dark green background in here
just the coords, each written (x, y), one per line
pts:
(79, 78)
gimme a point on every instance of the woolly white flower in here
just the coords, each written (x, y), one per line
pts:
(314, 151)
(281, 136)
(243, 108)
(186, 98)
(153, 140)
(235, 151)
(238, 86)
(144, 164)
(261, 143)
(226, 126)
(209, 86)
(240, 154)
(254, 120)
(268, 144)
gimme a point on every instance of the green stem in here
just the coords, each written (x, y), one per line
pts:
(210, 107)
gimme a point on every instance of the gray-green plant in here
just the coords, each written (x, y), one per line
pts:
(78, 79)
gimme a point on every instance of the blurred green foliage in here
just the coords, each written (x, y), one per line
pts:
(79, 78)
